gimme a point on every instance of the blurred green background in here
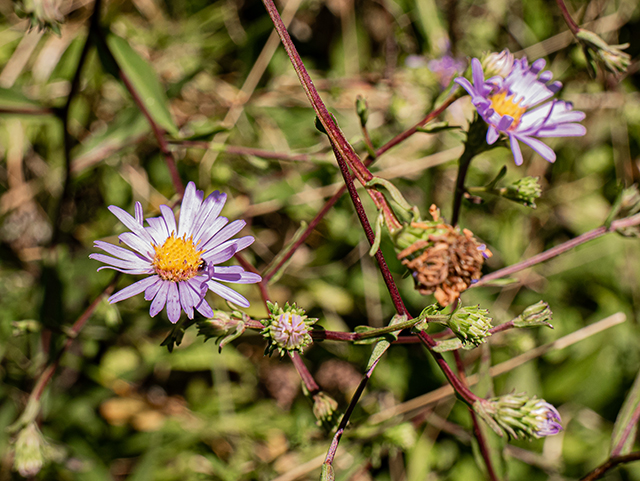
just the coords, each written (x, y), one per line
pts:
(123, 407)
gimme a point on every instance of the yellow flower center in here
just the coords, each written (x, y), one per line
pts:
(504, 105)
(177, 259)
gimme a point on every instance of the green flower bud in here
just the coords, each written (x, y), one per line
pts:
(362, 109)
(29, 457)
(43, 14)
(537, 314)
(223, 326)
(324, 407)
(524, 191)
(287, 328)
(470, 324)
(600, 52)
(518, 415)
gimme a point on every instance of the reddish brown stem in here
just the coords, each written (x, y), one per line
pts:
(559, 249)
(477, 431)
(264, 291)
(463, 392)
(610, 464)
(305, 375)
(28, 111)
(573, 26)
(635, 417)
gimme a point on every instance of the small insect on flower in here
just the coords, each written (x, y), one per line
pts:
(180, 259)
(514, 105)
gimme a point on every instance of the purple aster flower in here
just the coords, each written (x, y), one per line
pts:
(515, 106)
(548, 419)
(181, 260)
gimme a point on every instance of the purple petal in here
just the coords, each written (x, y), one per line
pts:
(143, 246)
(169, 218)
(221, 253)
(205, 309)
(209, 212)
(235, 274)
(210, 230)
(244, 242)
(134, 289)
(118, 251)
(160, 300)
(492, 135)
(133, 225)
(139, 214)
(186, 298)
(563, 130)
(477, 73)
(121, 263)
(515, 150)
(188, 210)
(158, 230)
(543, 149)
(173, 303)
(228, 294)
(152, 290)
(226, 233)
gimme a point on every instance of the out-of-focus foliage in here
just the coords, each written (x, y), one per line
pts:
(122, 407)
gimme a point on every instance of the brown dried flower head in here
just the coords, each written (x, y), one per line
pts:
(442, 260)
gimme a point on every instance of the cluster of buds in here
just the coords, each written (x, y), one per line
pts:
(287, 328)
(519, 416)
(442, 260)
(324, 407)
(537, 314)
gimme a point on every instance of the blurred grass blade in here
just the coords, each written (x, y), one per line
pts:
(277, 274)
(623, 436)
(144, 80)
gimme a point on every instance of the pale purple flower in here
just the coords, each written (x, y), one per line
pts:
(290, 331)
(515, 106)
(181, 259)
(446, 67)
(548, 419)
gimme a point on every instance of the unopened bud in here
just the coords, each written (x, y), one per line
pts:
(324, 407)
(29, 457)
(519, 416)
(597, 50)
(362, 109)
(470, 324)
(537, 314)
(43, 14)
(497, 63)
(525, 191)
(223, 326)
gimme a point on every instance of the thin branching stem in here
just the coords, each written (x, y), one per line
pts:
(610, 464)
(573, 26)
(477, 431)
(631, 221)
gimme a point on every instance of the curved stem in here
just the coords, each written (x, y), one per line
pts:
(463, 167)
(610, 464)
(573, 26)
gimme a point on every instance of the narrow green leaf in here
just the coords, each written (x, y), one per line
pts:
(144, 81)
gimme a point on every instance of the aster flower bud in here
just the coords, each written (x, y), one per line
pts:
(537, 314)
(324, 407)
(525, 191)
(287, 328)
(443, 260)
(29, 458)
(362, 109)
(519, 416)
(494, 63)
(600, 52)
(224, 326)
(470, 324)
(43, 14)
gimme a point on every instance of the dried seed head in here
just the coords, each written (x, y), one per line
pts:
(442, 260)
